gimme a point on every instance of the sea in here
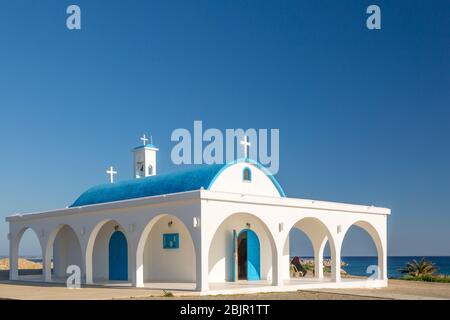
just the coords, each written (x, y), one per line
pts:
(357, 266)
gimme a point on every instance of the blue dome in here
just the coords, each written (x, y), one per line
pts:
(179, 181)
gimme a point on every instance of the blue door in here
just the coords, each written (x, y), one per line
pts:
(118, 257)
(253, 256)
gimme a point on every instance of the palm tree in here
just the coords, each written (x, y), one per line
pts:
(421, 268)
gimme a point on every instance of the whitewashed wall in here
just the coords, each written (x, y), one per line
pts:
(230, 204)
(169, 265)
(230, 180)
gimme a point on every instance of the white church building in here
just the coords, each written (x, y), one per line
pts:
(221, 228)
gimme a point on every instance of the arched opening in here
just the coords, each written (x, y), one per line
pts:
(107, 255)
(248, 255)
(307, 251)
(30, 258)
(65, 248)
(166, 253)
(302, 256)
(362, 251)
(235, 251)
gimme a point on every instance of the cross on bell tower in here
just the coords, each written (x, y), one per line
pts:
(144, 139)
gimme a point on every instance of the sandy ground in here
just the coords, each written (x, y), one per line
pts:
(23, 264)
(401, 289)
(397, 289)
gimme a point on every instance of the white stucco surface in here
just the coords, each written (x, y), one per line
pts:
(205, 220)
(230, 180)
(169, 265)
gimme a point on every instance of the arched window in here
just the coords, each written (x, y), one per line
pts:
(150, 170)
(247, 175)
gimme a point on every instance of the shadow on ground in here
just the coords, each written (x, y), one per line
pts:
(4, 274)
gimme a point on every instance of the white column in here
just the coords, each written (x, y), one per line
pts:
(47, 263)
(138, 269)
(83, 264)
(138, 280)
(336, 262)
(88, 267)
(201, 272)
(201, 246)
(382, 270)
(383, 258)
(277, 266)
(14, 257)
(319, 243)
(383, 267)
(133, 267)
(318, 263)
(286, 260)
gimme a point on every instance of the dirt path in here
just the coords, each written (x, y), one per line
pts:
(397, 289)
(401, 289)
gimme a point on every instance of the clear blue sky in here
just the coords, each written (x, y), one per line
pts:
(363, 115)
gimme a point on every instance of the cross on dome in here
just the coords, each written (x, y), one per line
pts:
(111, 174)
(245, 145)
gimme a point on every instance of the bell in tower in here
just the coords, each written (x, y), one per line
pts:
(145, 159)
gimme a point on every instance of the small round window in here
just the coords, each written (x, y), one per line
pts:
(247, 174)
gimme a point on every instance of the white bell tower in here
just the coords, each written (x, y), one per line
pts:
(144, 159)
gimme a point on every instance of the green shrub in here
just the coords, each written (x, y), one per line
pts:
(428, 278)
(167, 294)
(419, 268)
